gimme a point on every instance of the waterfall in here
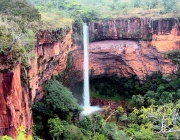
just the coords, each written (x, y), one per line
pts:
(86, 66)
(86, 95)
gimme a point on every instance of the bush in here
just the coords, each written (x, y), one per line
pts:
(72, 132)
(55, 127)
(59, 98)
(111, 131)
(59, 102)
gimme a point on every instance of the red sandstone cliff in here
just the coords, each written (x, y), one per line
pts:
(126, 58)
(110, 53)
(132, 28)
(122, 57)
(17, 96)
(51, 58)
(15, 106)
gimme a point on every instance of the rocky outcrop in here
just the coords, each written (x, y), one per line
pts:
(20, 87)
(132, 28)
(51, 57)
(126, 58)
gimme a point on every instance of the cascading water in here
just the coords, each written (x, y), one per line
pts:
(86, 65)
(86, 96)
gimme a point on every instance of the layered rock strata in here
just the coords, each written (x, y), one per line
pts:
(132, 28)
(126, 58)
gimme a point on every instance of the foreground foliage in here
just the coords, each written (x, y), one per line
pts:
(21, 135)
(159, 122)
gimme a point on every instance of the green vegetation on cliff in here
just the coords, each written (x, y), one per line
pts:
(17, 32)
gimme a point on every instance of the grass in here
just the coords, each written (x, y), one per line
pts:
(55, 20)
(4, 23)
(152, 13)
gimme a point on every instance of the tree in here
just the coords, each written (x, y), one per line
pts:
(19, 15)
(151, 97)
(21, 135)
(59, 98)
(142, 132)
(72, 132)
(94, 123)
(162, 120)
(111, 131)
(120, 114)
(137, 101)
(55, 127)
(151, 4)
(59, 102)
(17, 32)
(170, 5)
(136, 3)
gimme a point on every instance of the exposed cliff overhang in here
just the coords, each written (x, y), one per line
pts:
(131, 46)
(126, 58)
(131, 28)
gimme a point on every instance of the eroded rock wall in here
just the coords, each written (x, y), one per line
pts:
(15, 106)
(51, 59)
(132, 28)
(131, 47)
(126, 58)
(20, 87)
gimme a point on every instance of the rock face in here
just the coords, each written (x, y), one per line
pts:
(105, 103)
(132, 28)
(126, 58)
(51, 58)
(118, 47)
(15, 107)
(17, 96)
(109, 54)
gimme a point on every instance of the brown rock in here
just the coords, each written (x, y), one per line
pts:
(15, 109)
(125, 58)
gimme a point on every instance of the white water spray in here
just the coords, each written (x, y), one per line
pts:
(86, 66)
(86, 95)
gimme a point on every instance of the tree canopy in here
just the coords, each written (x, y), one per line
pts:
(17, 27)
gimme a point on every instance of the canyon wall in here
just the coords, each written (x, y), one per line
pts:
(124, 47)
(132, 28)
(131, 47)
(51, 57)
(20, 87)
(126, 58)
(15, 105)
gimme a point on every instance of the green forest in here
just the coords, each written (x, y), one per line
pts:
(153, 110)
(64, 12)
